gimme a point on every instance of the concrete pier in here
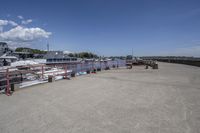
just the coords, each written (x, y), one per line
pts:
(139, 100)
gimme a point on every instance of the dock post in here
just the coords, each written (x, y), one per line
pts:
(66, 70)
(93, 67)
(81, 67)
(100, 65)
(42, 72)
(65, 75)
(8, 83)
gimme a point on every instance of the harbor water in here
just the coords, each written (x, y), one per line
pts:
(83, 67)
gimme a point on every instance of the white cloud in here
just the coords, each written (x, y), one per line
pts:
(15, 45)
(22, 34)
(19, 34)
(26, 21)
(1, 29)
(23, 21)
(6, 22)
(3, 22)
(67, 52)
(12, 23)
(20, 17)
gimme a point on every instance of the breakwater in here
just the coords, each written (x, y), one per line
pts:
(179, 60)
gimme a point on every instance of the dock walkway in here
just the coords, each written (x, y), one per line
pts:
(135, 100)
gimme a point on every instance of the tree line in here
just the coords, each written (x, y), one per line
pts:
(30, 50)
(88, 55)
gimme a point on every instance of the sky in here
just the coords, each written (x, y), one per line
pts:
(104, 27)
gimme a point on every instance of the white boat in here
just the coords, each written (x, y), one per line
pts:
(54, 72)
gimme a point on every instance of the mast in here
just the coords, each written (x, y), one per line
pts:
(132, 53)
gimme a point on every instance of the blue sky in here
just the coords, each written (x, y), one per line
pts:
(106, 27)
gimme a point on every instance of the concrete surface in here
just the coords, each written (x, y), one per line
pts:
(117, 101)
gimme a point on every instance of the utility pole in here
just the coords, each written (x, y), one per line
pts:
(132, 53)
(47, 46)
(132, 57)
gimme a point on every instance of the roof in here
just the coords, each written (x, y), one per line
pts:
(8, 57)
(56, 54)
(22, 53)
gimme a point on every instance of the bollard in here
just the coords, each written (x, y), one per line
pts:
(155, 66)
(129, 66)
(15, 87)
(12, 88)
(51, 78)
(88, 71)
(94, 71)
(107, 68)
(98, 69)
(73, 74)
